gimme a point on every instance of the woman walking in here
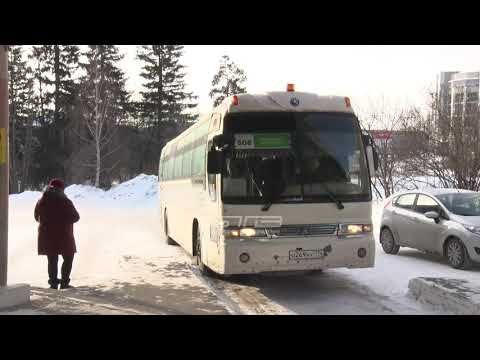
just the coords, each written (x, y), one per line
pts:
(56, 215)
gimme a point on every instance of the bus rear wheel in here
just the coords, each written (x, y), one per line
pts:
(170, 241)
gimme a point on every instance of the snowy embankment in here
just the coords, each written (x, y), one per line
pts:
(118, 222)
(415, 183)
(140, 192)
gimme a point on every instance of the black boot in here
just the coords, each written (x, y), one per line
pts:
(54, 283)
(65, 284)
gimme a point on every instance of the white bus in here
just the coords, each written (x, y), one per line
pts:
(271, 182)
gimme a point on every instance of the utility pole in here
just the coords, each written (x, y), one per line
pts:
(12, 295)
(4, 164)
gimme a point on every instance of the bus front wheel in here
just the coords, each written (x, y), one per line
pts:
(170, 241)
(204, 270)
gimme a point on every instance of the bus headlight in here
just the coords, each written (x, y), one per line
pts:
(244, 232)
(354, 229)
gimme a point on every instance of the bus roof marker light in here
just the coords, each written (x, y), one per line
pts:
(235, 100)
(347, 102)
(290, 87)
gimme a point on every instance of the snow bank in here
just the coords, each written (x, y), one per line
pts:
(26, 197)
(417, 182)
(142, 188)
(138, 192)
(457, 296)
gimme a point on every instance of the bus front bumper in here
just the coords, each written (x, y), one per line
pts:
(244, 256)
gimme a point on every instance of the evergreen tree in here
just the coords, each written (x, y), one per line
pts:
(38, 59)
(102, 65)
(166, 106)
(61, 63)
(228, 81)
(54, 67)
(21, 99)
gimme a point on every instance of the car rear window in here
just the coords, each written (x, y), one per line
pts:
(405, 201)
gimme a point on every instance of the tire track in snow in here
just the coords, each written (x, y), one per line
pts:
(241, 299)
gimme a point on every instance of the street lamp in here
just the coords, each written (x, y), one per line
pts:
(3, 164)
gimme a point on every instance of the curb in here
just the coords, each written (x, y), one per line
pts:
(456, 296)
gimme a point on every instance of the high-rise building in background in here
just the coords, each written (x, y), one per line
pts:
(458, 96)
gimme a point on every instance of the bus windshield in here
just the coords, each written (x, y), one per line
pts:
(294, 157)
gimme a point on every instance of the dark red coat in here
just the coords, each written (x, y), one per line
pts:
(56, 215)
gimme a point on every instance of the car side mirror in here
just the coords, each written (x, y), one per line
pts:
(444, 215)
(214, 162)
(433, 215)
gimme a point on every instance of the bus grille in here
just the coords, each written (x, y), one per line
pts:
(304, 230)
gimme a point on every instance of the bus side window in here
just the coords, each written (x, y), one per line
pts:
(171, 162)
(212, 183)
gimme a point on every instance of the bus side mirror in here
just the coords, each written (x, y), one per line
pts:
(376, 160)
(219, 141)
(371, 160)
(372, 155)
(214, 162)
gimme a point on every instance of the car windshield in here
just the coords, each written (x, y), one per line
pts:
(463, 204)
(295, 157)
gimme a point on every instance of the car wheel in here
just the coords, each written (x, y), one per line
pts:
(456, 254)
(388, 242)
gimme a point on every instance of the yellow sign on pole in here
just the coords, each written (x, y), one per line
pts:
(3, 146)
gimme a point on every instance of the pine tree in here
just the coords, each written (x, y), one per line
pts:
(21, 100)
(38, 59)
(166, 106)
(54, 67)
(229, 80)
(61, 63)
(103, 105)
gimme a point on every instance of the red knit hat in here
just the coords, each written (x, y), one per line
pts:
(57, 183)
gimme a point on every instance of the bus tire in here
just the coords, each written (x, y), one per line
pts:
(169, 240)
(204, 270)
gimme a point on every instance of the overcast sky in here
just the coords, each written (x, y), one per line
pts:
(403, 74)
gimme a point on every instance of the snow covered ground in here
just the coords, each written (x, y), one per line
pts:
(122, 264)
(124, 267)
(379, 290)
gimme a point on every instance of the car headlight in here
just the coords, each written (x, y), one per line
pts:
(354, 229)
(244, 232)
(473, 229)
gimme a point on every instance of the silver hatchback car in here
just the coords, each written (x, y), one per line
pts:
(440, 221)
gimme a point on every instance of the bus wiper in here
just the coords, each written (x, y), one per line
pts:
(266, 206)
(332, 196)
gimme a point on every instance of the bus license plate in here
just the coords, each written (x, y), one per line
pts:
(306, 254)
